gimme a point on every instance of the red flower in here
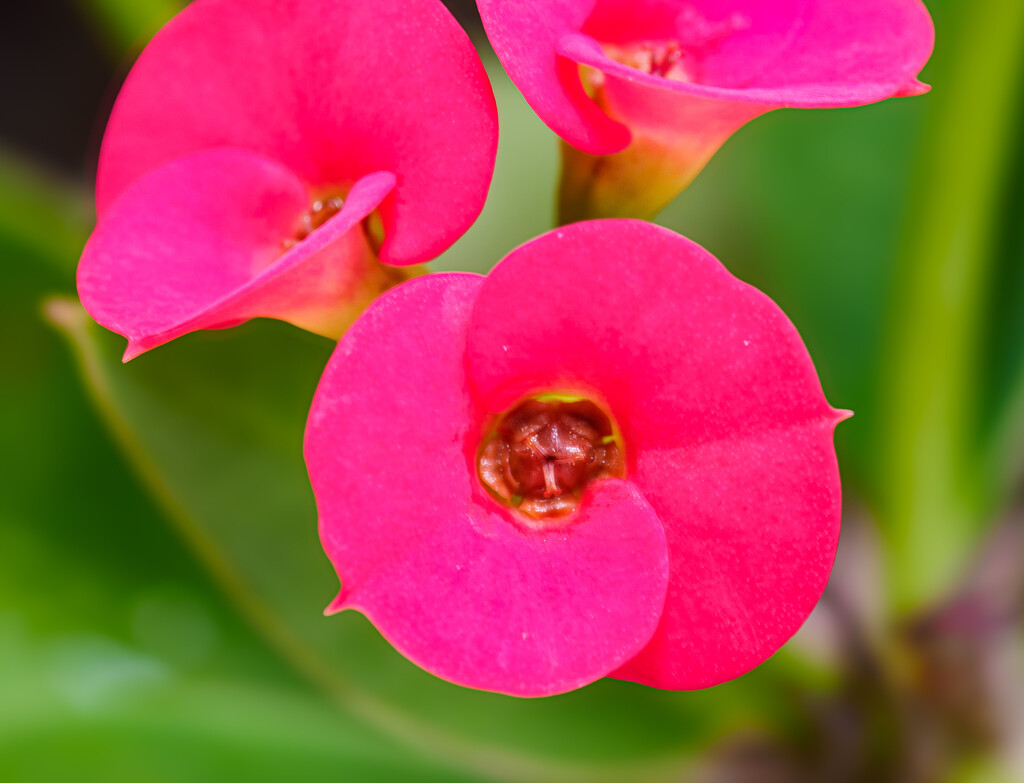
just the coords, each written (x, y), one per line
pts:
(246, 125)
(668, 81)
(609, 457)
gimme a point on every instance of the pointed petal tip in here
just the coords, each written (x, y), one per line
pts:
(336, 605)
(136, 346)
(915, 87)
(841, 414)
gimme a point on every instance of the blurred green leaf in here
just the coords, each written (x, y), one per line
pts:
(934, 499)
(521, 201)
(218, 434)
(1003, 406)
(118, 661)
(113, 714)
(126, 25)
(43, 224)
(215, 430)
(1005, 456)
(75, 565)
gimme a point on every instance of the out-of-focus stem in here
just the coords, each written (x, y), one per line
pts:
(931, 495)
(672, 139)
(638, 182)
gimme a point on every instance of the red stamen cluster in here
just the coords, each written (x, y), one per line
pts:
(322, 211)
(318, 214)
(658, 58)
(544, 453)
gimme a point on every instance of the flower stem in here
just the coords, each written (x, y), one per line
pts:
(638, 182)
(931, 494)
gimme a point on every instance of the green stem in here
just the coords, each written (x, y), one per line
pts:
(930, 489)
(638, 182)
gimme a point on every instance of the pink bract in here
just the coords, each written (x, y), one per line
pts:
(238, 116)
(645, 92)
(688, 572)
(739, 59)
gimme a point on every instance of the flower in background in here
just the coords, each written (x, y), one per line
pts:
(263, 154)
(646, 91)
(608, 457)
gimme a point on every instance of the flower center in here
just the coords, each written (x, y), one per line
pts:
(321, 211)
(318, 214)
(658, 58)
(542, 453)
(679, 58)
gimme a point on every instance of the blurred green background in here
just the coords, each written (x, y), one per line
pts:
(161, 582)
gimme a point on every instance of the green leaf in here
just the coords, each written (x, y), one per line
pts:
(936, 498)
(520, 204)
(213, 424)
(126, 25)
(43, 226)
(86, 708)
(118, 659)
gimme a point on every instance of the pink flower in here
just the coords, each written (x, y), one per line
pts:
(251, 141)
(673, 79)
(609, 457)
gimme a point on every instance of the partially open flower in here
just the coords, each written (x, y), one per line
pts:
(646, 91)
(607, 457)
(263, 153)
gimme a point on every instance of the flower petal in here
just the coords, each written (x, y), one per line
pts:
(334, 91)
(626, 21)
(724, 42)
(199, 244)
(849, 54)
(441, 569)
(695, 117)
(753, 526)
(701, 371)
(834, 54)
(760, 54)
(524, 33)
